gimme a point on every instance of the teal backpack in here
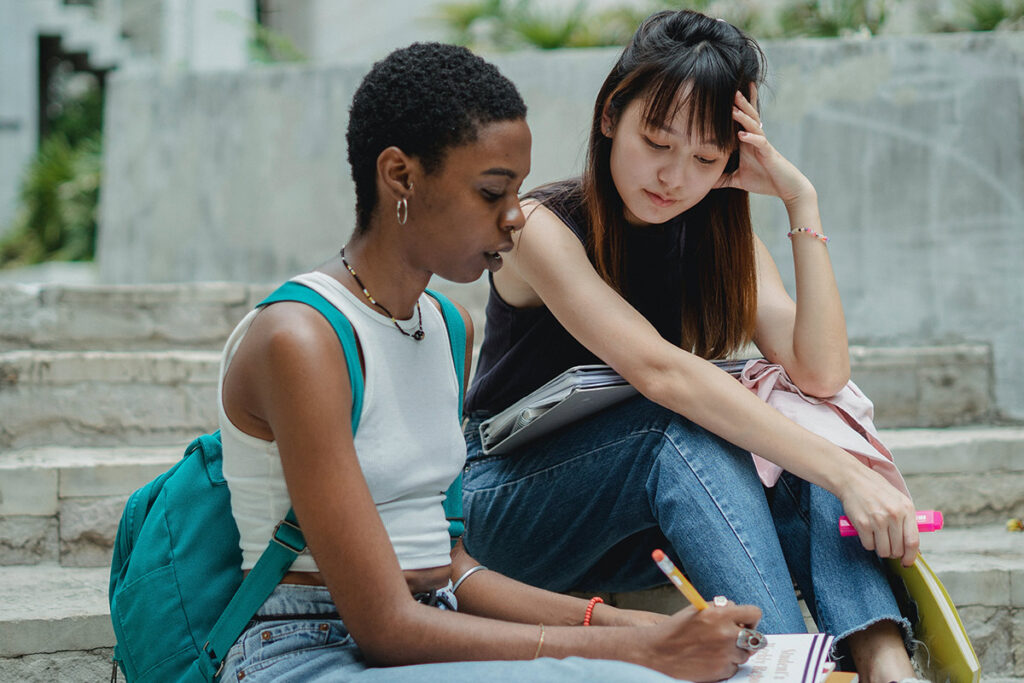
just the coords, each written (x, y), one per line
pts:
(177, 561)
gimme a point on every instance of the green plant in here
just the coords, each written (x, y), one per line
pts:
(460, 17)
(830, 18)
(56, 218)
(544, 29)
(511, 24)
(268, 46)
(612, 26)
(265, 46)
(986, 15)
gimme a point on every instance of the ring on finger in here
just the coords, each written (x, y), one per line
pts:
(720, 601)
(750, 640)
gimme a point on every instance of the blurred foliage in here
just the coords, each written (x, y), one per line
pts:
(463, 19)
(514, 24)
(267, 46)
(56, 218)
(988, 15)
(831, 18)
(547, 30)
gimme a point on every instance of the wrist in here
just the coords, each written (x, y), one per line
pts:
(844, 474)
(606, 615)
(588, 614)
(804, 199)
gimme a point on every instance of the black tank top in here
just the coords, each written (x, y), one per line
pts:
(525, 347)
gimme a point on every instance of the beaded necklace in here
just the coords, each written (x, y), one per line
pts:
(417, 335)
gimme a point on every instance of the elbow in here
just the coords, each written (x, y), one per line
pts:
(382, 650)
(380, 640)
(824, 384)
(664, 385)
(377, 655)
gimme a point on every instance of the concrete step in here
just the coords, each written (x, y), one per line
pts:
(149, 397)
(94, 398)
(123, 317)
(89, 316)
(926, 386)
(62, 505)
(54, 624)
(975, 475)
(52, 609)
(982, 569)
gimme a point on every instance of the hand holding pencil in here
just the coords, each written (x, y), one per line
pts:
(747, 638)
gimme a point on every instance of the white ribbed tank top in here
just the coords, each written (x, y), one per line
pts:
(409, 442)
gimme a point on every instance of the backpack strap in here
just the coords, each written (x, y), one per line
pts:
(457, 338)
(294, 291)
(287, 542)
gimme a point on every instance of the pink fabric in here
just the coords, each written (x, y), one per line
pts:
(844, 419)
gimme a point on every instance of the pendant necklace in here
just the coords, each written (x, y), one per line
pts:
(417, 335)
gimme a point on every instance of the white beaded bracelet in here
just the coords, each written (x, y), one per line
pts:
(808, 231)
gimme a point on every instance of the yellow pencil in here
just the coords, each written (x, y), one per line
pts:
(676, 577)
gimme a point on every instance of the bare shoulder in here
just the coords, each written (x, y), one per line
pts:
(292, 350)
(467, 320)
(288, 328)
(544, 236)
(539, 215)
(289, 351)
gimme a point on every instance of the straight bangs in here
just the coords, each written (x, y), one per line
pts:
(700, 83)
(683, 62)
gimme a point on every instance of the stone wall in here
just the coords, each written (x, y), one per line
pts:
(915, 144)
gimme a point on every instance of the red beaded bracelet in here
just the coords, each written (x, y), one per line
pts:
(590, 610)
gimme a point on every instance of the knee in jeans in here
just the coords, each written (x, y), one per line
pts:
(679, 431)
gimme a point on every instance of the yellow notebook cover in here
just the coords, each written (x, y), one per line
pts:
(947, 653)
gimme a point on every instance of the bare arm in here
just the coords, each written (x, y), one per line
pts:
(496, 596)
(808, 337)
(550, 260)
(298, 386)
(493, 595)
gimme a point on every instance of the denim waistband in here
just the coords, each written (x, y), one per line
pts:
(295, 601)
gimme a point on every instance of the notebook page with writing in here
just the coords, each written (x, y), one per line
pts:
(788, 658)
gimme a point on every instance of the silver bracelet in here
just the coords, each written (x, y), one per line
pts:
(465, 576)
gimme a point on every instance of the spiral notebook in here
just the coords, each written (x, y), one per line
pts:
(576, 393)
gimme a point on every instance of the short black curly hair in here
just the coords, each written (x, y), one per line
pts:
(423, 99)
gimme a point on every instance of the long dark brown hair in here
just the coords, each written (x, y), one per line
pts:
(684, 61)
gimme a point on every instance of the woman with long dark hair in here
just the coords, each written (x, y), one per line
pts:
(648, 263)
(438, 145)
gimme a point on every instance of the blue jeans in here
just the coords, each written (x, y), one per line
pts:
(583, 508)
(314, 645)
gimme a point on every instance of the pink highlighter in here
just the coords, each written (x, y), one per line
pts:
(927, 520)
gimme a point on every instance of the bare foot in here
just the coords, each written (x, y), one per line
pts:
(879, 655)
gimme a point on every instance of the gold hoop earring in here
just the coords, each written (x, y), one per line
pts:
(402, 210)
